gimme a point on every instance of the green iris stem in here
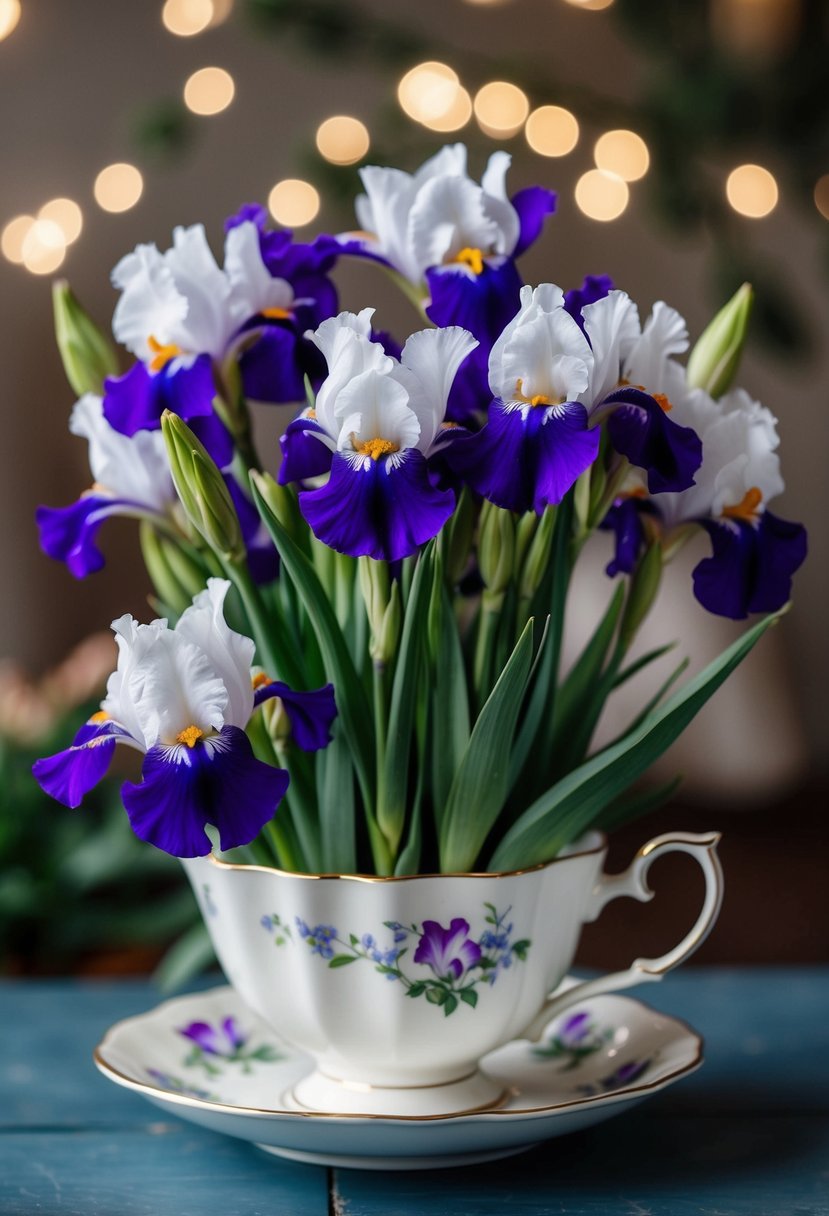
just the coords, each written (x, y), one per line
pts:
(381, 713)
(488, 623)
(301, 801)
(257, 615)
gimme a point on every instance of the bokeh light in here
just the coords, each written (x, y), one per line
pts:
(342, 140)
(68, 216)
(501, 108)
(601, 196)
(9, 17)
(118, 187)
(752, 191)
(624, 153)
(428, 91)
(13, 236)
(209, 91)
(591, 6)
(822, 195)
(187, 17)
(293, 202)
(44, 247)
(457, 114)
(552, 131)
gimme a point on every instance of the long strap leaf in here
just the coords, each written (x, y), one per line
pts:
(561, 814)
(480, 785)
(393, 794)
(352, 704)
(450, 699)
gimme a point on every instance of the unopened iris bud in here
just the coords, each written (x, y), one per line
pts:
(538, 555)
(88, 355)
(496, 548)
(202, 490)
(282, 501)
(525, 530)
(382, 601)
(172, 595)
(644, 586)
(714, 360)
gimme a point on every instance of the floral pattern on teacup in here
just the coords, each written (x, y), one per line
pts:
(459, 963)
(175, 1085)
(576, 1038)
(226, 1043)
(622, 1076)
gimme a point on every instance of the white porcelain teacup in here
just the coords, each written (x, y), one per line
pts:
(397, 987)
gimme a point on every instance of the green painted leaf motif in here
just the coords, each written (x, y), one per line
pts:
(573, 804)
(450, 1004)
(469, 996)
(342, 960)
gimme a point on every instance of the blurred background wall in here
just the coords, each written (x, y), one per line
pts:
(708, 86)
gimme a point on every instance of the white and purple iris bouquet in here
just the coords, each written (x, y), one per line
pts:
(357, 666)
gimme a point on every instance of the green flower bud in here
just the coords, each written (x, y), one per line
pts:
(714, 360)
(202, 490)
(525, 530)
(457, 537)
(282, 501)
(644, 586)
(382, 601)
(538, 555)
(496, 548)
(169, 590)
(88, 355)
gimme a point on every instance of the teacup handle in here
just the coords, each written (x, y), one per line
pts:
(633, 882)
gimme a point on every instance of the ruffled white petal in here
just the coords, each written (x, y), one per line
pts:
(344, 340)
(375, 406)
(430, 360)
(150, 302)
(252, 286)
(649, 360)
(612, 326)
(230, 654)
(422, 220)
(134, 468)
(542, 352)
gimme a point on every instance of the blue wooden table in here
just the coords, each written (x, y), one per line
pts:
(748, 1134)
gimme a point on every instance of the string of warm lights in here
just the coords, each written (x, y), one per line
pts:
(39, 242)
(430, 94)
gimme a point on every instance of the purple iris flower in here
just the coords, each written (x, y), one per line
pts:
(279, 357)
(185, 705)
(449, 952)
(594, 287)
(136, 401)
(224, 1040)
(131, 477)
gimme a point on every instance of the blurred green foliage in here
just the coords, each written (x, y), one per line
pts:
(78, 884)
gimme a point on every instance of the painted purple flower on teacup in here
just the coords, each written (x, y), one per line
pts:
(575, 1038)
(449, 952)
(621, 1077)
(226, 1042)
(459, 962)
(175, 1085)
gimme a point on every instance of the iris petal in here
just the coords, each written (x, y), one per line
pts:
(310, 713)
(218, 781)
(533, 205)
(69, 775)
(135, 401)
(68, 534)
(484, 304)
(303, 456)
(377, 508)
(640, 429)
(751, 565)
(624, 519)
(526, 460)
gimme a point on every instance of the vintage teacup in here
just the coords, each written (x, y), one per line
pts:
(397, 987)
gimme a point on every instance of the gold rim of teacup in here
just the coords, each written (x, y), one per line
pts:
(377, 878)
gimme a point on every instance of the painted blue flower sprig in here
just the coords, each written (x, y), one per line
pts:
(214, 1046)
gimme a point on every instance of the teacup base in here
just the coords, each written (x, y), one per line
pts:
(323, 1094)
(360, 1162)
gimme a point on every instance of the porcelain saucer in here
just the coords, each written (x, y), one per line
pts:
(209, 1059)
